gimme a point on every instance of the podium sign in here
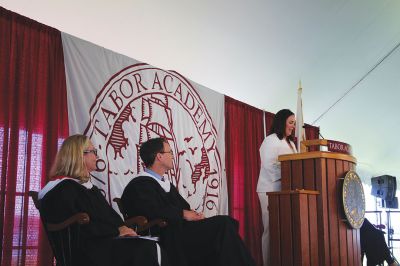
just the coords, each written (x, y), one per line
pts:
(340, 147)
(332, 145)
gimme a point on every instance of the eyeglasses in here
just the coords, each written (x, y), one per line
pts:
(94, 151)
(170, 152)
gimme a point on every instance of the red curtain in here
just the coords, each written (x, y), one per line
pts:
(243, 136)
(33, 120)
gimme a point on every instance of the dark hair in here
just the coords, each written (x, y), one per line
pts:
(149, 150)
(279, 124)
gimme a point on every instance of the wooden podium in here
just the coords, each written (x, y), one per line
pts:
(293, 227)
(338, 243)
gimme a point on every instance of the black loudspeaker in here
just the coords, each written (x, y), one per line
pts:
(391, 204)
(384, 187)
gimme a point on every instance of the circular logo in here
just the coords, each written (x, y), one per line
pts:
(353, 199)
(142, 102)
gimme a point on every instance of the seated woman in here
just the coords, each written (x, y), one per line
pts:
(70, 191)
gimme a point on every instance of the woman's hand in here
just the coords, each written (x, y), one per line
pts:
(192, 215)
(126, 231)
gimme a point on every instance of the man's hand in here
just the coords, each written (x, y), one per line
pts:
(126, 231)
(192, 215)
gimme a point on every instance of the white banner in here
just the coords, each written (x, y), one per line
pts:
(120, 103)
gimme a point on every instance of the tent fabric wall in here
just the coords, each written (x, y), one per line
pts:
(33, 122)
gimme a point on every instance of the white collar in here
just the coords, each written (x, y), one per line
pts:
(166, 185)
(50, 185)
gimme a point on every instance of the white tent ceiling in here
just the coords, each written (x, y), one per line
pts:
(256, 52)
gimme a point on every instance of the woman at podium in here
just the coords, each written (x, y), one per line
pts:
(279, 141)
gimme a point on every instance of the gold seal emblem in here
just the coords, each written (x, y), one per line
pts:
(353, 199)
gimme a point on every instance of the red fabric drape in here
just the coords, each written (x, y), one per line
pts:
(243, 136)
(33, 118)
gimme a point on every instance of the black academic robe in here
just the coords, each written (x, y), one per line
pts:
(373, 244)
(211, 241)
(98, 243)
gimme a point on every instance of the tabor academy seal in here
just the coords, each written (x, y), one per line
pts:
(353, 199)
(142, 102)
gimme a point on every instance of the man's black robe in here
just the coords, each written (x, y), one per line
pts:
(98, 245)
(373, 244)
(212, 241)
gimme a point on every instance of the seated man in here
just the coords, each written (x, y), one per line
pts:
(189, 238)
(373, 245)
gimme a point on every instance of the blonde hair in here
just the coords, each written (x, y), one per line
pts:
(69, 160)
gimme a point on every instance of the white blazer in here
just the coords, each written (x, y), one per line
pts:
(270, 172)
